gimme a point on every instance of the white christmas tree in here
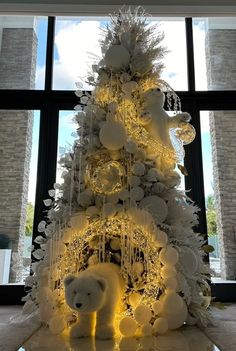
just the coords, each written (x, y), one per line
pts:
(120, 201)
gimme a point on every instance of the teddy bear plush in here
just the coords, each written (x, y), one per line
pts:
(95, 293)
(160, 122)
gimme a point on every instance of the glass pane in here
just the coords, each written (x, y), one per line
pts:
(215, 53)
(66, 137)
(22, 52)
(218, 131)
(19, 133)
(77, 45)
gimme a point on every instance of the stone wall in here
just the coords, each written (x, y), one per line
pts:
(221, 74)
(17, 71)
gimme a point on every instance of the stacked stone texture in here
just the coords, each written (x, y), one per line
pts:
(17, 71)
(221, 74)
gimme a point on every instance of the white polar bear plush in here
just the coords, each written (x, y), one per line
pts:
(160, 121)
(95, 293)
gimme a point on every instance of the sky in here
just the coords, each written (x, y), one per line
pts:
(77, 47)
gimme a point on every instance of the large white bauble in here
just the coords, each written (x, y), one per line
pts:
(188, 260)
(108, 209)
(142, 314)
(168, 271)
(79, 222)
(129, 87)
(157, 307)
(136, 193)
(160, 326)
(169, 256)
(156, 206)
(172, 302)
(112, 135)
(117, 57)
(134, 299)
(152, 175)
(177, 319)
(134, 181)
(57, 324)
(160, 237)
(140, 217)
(138, 169)
(170, 283)
(124, 194)
(92, 211)
(146, 329)
(131, 147)
(128, 326)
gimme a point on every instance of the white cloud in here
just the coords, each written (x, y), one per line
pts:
(74, 42)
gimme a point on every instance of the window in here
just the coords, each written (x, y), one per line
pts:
(54, 60)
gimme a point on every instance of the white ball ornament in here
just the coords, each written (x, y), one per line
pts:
(92, 211)
(124, 194)
(146, 329)
(169, 256)
(172, 302)
(168, 271)
(157, 307)
(129, 87)
(108, 210)
(138, 169)
(128, 326)
(131, 147)
(112, 135)
(170, 283)
(152, 175)
(142, 314)
(79, 222)
(57, 324)
(188, 260)
(134, 299)
(134, 181)
(160, 237)
(136, 193)
(140, 217)
(160, 326)
(117, 57)
(156, 206)
(177, 319)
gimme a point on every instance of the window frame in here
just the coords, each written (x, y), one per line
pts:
(50, 102)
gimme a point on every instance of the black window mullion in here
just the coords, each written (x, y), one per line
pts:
(47, 163)
(194, 182)
(190, 54)
(49, 53)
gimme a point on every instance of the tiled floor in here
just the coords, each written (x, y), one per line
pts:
(223, 334)
(187, 339)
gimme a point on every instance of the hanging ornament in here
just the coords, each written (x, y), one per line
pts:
(107, 178)
(138, 169)
(117, 57)
(186, 133)
(112, 135)
(156, 206)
